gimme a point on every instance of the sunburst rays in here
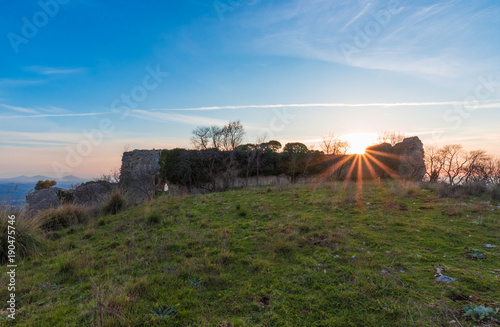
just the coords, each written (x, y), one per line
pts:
(358, 169)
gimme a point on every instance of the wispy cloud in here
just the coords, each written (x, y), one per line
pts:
(165, 114)
(429, 40)
(481, 105)
(12, 137)
(55, 115)
(355, 18)
(19, 109)
(53, 110)
(54, 70)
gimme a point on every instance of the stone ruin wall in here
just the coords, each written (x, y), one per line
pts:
(140, 170)
(139, 174)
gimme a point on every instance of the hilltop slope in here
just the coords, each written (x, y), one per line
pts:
(296, 256)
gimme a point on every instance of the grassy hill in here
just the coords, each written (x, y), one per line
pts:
(331, 255)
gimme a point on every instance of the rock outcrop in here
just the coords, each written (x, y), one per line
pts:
(411, 158)
(93, 193)
(404, 160)
(43, 199)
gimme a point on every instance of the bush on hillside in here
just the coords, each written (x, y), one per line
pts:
(495, 193)
(63, 216)
(450, 191)
(43, 185)
(115, 204)
(469, 189)
(28, 243)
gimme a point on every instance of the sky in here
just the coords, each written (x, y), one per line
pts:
(83, 80)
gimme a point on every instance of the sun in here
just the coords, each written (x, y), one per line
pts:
(360, 141)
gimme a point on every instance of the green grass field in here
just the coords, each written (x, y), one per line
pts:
(300, 255)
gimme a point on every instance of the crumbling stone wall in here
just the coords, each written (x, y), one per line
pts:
(139, 174)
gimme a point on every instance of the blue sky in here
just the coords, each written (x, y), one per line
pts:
(294, 70)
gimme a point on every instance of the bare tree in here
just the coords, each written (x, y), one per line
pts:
(341, 147)
(454, 162)
(490, 170)
(477, 166)
(201, 137)
(495, 171)
(232, 135)
(327, 143)
(226, 138)
(459, 166)
(391, 137)
(261, 138)
(434, 162)
(332, 145)
(112, 177)
(216, 136)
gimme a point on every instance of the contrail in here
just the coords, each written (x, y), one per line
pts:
(57, 115)
(485, 104)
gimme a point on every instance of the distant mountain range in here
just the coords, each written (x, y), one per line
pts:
(33, 179)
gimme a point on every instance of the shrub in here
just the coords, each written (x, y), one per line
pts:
(476, 254)
(153, 218)
(29, 242)
(475, 188)
(452, 211)
(65, 196)
(495, 193)
(115, 204)
(164, 312)
(461, 191)
(450, 191)
(480, 312)
(62, 217)
(43, 185)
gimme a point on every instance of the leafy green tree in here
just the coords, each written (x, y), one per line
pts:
(296, 157)
(271, 146)
(295, 149)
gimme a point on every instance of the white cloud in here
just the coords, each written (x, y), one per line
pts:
(54, 70)
(481, 105)
(430, 40)
(355, 18)
(19, 109)
(55, 115)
